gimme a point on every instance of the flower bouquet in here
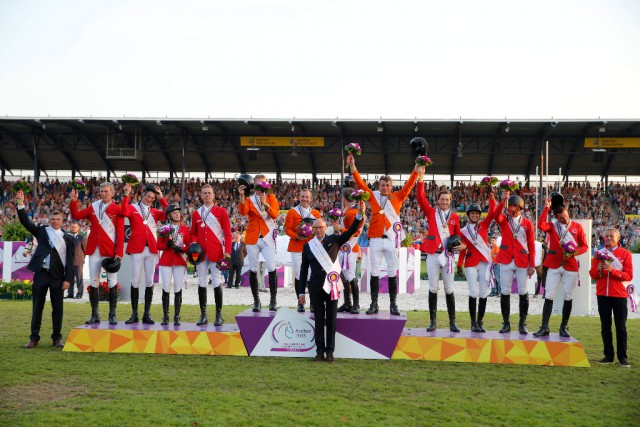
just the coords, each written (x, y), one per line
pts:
(130, 178)
(568, 248)
(603, 256)
(264, 186)
(304, 230)
(78, 185)
(21, 185)
(353, 148)
(488, 181)
(509, 185)
(224, 264)
(359, 196)
(165, 231)
(335, 214)
(423, 161)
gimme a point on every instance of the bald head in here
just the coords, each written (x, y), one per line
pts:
(319, 228)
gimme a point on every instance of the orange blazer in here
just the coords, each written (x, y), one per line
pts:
(256, 224)
(291, 223)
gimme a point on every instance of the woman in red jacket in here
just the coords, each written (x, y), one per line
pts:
(173, 262)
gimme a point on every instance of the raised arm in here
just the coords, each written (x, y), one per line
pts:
(422, 199)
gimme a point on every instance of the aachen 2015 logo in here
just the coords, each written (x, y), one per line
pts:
(293, 335)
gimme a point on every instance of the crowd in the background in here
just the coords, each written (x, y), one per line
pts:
(582, 199)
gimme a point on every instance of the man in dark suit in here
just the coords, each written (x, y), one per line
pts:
(80, 245)
(238, 252)
(325, 301)
(52, 264)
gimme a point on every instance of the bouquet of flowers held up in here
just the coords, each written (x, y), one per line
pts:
(569, 248)
(78, 185)
(224, 264)
(130, 178)
(353, 148)
(21, 185)
(335, 214)
(488, 181)
(603, 256)
(304, 229)
(359, 196)
(509, 185)
(423, 161)
(264, 186)
(165, 231)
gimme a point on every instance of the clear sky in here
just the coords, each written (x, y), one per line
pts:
(321, 59)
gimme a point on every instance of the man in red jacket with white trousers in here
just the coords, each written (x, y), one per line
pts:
(211, 228)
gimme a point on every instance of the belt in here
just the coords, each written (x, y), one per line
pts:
(384, 236)
(438, 252)
(45, 270)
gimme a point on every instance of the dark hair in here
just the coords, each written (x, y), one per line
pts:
(557, 210)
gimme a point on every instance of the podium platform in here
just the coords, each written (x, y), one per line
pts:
(490, 347)
(187, 338)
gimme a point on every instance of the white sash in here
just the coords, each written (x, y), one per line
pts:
(150, 221)
(56, 240)
(396, 231)
(479, 243)
(568, 237)
(213, 224)
(617, 265)
(332, 283)
(347, 247)
(521, 235)
(177, 239)
(270, 238)
(105, 222)
(298, 209)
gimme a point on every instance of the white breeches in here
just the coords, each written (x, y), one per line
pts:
(144, 260)
(378, 248)
(268, 253)
(95, 268)
(434, 268)
(203, 270)
(348, 261)
(557, 277)
(477, 280)
(177, 272)
(507, 271)
(296, 258)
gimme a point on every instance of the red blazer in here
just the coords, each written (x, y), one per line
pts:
(213, 247)
(432, 241)
(610, 284)
(349, 218)
(555, 253)
(169, 258)
(472, 256)
(141, 235)
(291, 222)
(510, 248)
(97, 237)
(256, 224)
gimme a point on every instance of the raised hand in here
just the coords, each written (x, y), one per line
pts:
(73, 195)
(20, 198)
(127, 189)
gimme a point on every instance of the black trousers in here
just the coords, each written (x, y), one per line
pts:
(325, 312)
(617, 306)
(42, 283)
(76, 280)
(234, 272)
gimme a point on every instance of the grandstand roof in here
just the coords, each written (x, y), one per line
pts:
(489, 147)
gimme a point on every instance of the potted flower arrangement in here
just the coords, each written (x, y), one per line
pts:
(103, 288)
(16, 289)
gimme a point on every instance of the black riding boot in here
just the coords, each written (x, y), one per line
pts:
(524, 310)
(393, 293)
(253, 282)
(451, 309)
(433, 311)
(273, 290)
(94, 298)
(177, 305)
(546, 315)
(346, 307)
(134, 306)
(472, 314)
(113, 303)
(505, 309)
(482, 306)
(202, 298)
(148, 298)
(165, 308)
(300, 307)
(375, 288)
(566, 313)
(355, 291)
(217, 296)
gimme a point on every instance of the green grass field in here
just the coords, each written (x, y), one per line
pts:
(44, 386)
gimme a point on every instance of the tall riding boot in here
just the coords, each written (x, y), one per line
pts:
(273, 289)
(177, 305)
(94, 297)
(482, 306)
(433, 311)
(505, 309)
(546, 315)
(300, 307)
(346, 307)
(165, 308)
(566, 313)
(524, 310)
(134, 306)
(148, 298)
(393, 294)
(253, 282)
(375, 288)
(217, 296)
(113, 302)
(472, 314)
(451, 309)
(202, 298)
(355, 291)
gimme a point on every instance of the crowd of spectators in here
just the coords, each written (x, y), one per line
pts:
(582, 200)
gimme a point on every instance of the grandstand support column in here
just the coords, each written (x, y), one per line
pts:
(36, 171)
(73, 175)
(182, 179)
(108, 175)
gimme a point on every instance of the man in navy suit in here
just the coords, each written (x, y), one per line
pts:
(52, 264)
(321, 254)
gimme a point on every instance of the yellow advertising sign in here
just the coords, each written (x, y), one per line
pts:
(282, 141)
(612, 143)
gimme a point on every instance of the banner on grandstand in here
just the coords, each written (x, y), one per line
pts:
(612, 143)
(282, 141)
